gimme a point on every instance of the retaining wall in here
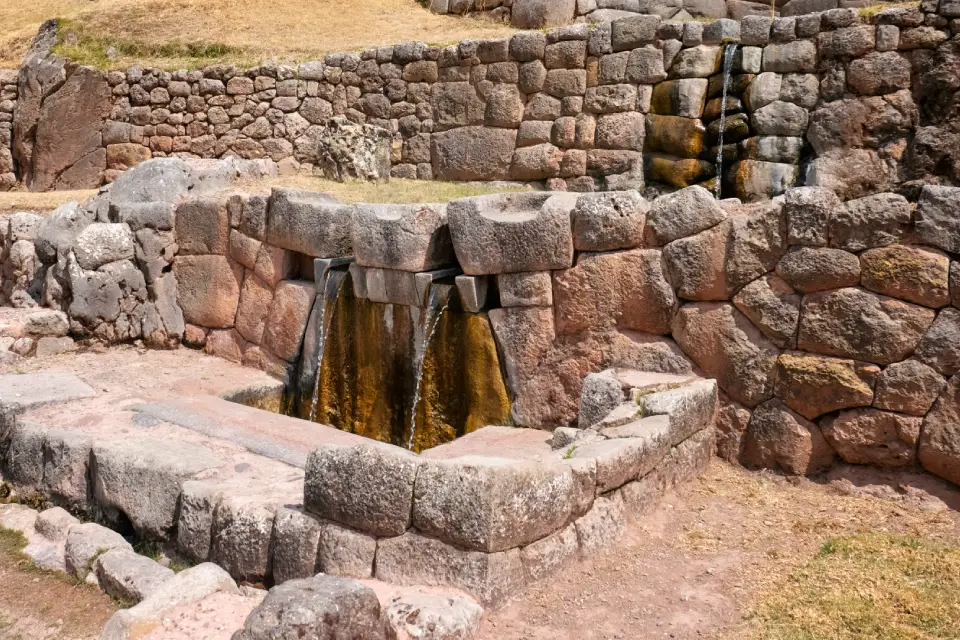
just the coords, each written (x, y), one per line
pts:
(821, 99)
(8, 100)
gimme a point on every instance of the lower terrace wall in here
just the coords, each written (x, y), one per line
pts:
(820, 99)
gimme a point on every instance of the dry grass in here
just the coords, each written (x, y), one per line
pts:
(235, 31)
(39, 202)
(395, 191)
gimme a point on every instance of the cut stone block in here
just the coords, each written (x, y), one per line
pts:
(533, 289)
(603, 525)
(295, 539)
(609, 221)
(240, 537)
(35, 389)
(128, 576)
(402, 237)
(548, 555)
(473, 292)
(85, 542)
(345, 552)
(312, 223)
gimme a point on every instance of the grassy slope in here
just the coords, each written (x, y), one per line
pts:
(158, 32)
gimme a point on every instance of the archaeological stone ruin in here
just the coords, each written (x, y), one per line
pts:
(742, 239)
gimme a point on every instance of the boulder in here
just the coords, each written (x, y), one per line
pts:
(101, 243)
(157, 180)
(288, 317)
(511, 232)
(853, 323)
(491, 504)
(142, 479)
(871, 436)
(939, 449)
(680, 214)
(940, 346)
(937, 223)
(729, 348)
(909, 387)
(778, 438)
(128, 576)
(315, 224)
(814, 385)
(367, 487)
(774, 307)
(416, 614)
(910, 273)
(402, 237)
(208, 289)
(202, 226)
(872, 221)
(809, 269)
(349, 151)
(85, 542)
(473, 153)
(58, 231)
(625, 289)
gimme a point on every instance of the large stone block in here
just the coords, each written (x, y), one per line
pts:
(624, 289)
(729, 348)
(523, 334)
(799, 56)
(322, 607)
(198, 500)
(937, 222)
(66, 458)
(602, 526)
(367, 487)
(296, 536)
(203, 226)
(87, 541)
(142, 478)
(909, 387)
(128, 576)
(240, 537)
(609, 221)
(473, 153)
(680, 214)
(873, 221)
(413, 559)
(536, 14)
(853, 323)
(940, 346)
(254, 307)
(772, 305)
(345, 552)
(58, 231)
(910, 273)
(548, 555)
(491, 504)
(312, 223)
(871, 436)
(208, 289)
(939, 450)
(814, 385)
(809, 270)
(778, 438)
(288, 317)
(101, 243)
(511, 232)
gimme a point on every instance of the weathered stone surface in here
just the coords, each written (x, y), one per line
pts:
(345, 552)
(603, 525)
(403, 237)
(755, 180)
(240, 537)
(696, 265)
(491, 504)
(413, 559)
(879, 73)
(203, 226)
(854, 323)
(58, 231)
(850, 173)
(799, 56)
(536, 163)
(158, 180)
(626, 289)
(367, 487)
(545, 557)
(415, 614)
(129, 577)
(296, 536)
(939, 450)
(54, 523)
(681, 214)
(101, 243)
(208, 289)
(536, 14)
(778, 438)
(814, 385)
(254, 307)
(910, 273)
(289, 314)
(937, 223)
(312, 223)
(940, 345)
(531, 289)
(66, 456)
(871, 436)
(680, 137)
(349, 151)
(779, 119)
(142, 478)
(198, 500)
(701, 61)
(872, 221)
(908, 387)
(772, 305)
(511, 232)
(809, 270)
(87, 541)
(729, 348)
(473, 153)
(523, 334)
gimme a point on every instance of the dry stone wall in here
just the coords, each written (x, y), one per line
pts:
(8, 100)
(819, 99)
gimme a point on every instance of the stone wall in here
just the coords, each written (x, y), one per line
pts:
(8, 99)
(585, 107)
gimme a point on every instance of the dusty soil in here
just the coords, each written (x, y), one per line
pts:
(40, 606)
(698, 565)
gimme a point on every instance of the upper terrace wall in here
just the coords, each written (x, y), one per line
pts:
(584, 105)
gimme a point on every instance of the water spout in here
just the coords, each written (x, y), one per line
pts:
(331, 293)
(436, 306)
(728, 54)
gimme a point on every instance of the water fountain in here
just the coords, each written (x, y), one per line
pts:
(729, 51)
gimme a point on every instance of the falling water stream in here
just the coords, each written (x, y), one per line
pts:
(431, 321)
(331, 293)
(728, 54)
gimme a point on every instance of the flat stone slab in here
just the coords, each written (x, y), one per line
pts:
(496, 442)
(271, 435)
(36, 389)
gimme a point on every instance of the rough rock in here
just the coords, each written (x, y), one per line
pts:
(128, 576)
(368, 487)
(681, 214)
(778, 438)
(814, 385)
(810, 269)
(345, 552)
(85, 542)
(853, 323)
(415, 614)
(101, 243)
(940, 346)
(937, 224)
(729, 348)
(240, 537)
(908, 387)
(871, 436)
(208, 289)
(531, 289)
(872, 221)
(473, 153)
(350, 151)
(603, 525)
(536, 14)
(939, 449)
(202, 226)
(296, 536)
(315, 224)
(402, 237)
(59, 230)
(774, 307)
(609, 221)
(910, 273)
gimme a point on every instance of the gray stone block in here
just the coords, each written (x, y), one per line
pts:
(402, 237)
(128, 576)
(240, 537)
(531, 289)
(345, 552)
(311, 223)
(609, 221)
(295, 539)
(85, 542)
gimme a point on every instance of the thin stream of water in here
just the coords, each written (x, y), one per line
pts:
(728, 53)
(429, 329)
(331, 293)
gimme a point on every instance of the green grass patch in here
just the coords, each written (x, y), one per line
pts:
(873, 585)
